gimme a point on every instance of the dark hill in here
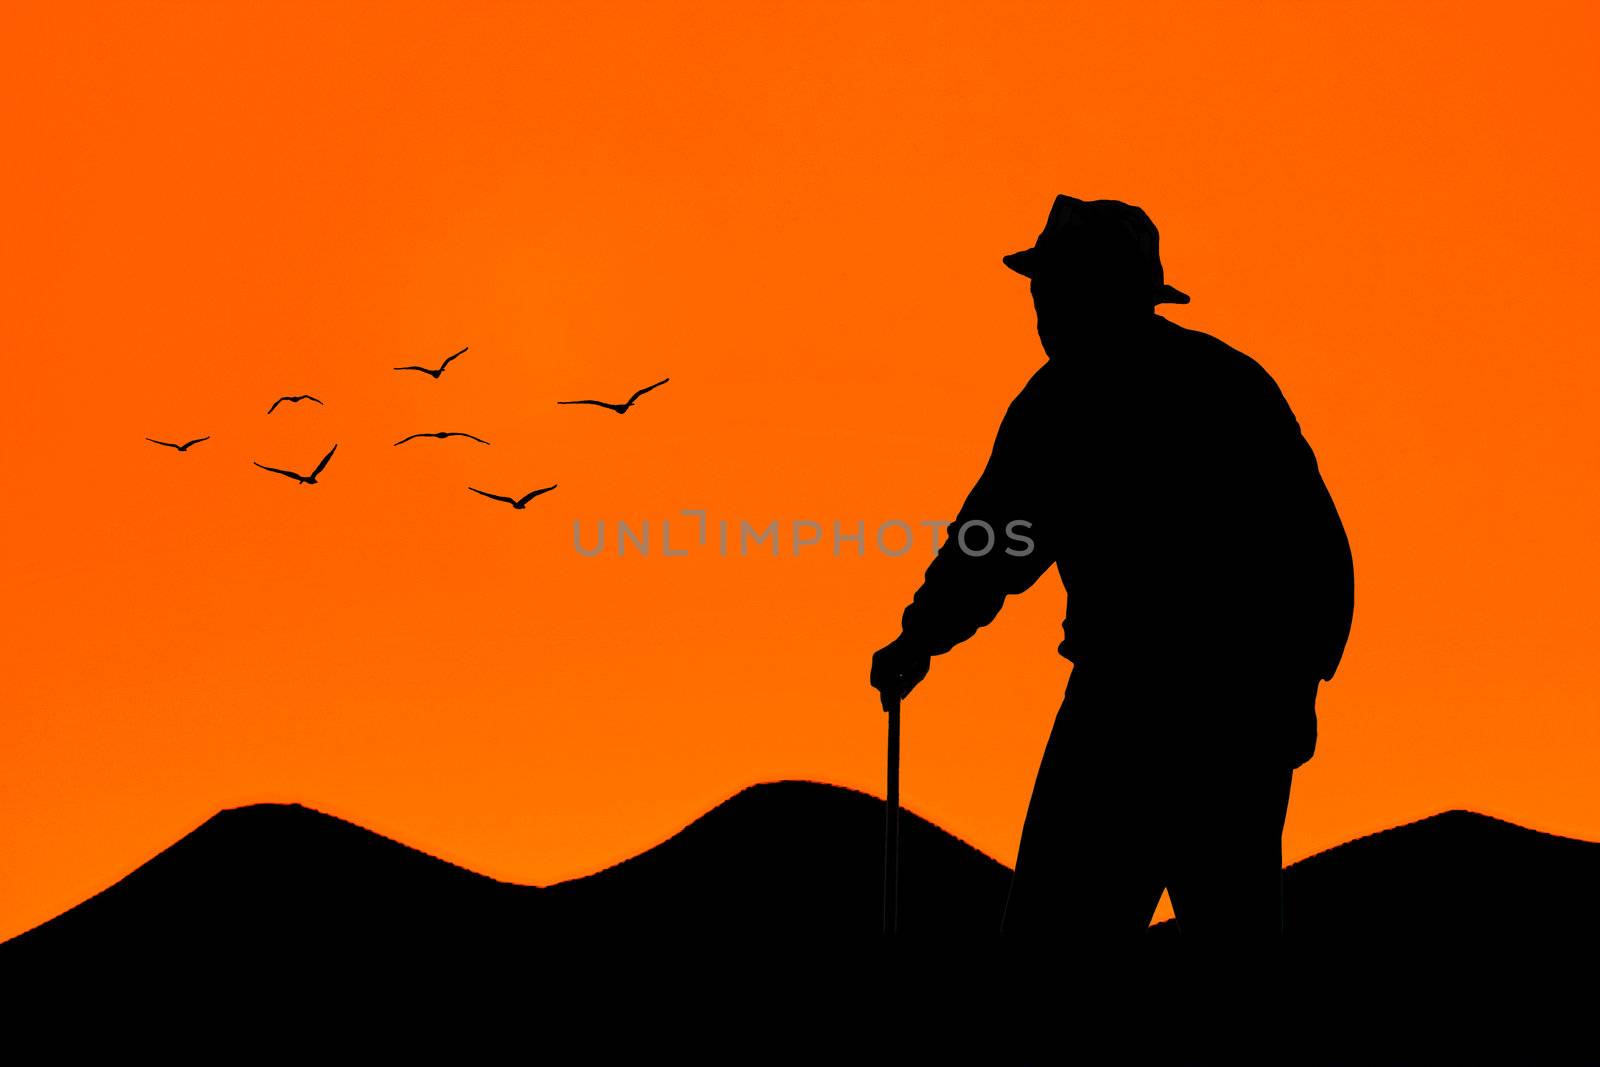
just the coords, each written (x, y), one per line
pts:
(790, 858)
(273, 883)
(1455, 877)
(281, 884)
(1444, 938)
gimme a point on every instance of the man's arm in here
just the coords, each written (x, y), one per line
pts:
(1000, 542)
(1333, 574)
(1315, 539)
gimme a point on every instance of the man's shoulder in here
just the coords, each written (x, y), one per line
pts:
(1207, 347)
(1200, 355)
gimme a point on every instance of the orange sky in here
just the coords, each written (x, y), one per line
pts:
(798, 213)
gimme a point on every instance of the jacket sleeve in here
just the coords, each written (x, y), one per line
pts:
(1333, 574)
(975, 570)
(1322, 579)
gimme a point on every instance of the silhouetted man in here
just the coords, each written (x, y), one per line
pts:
(1209, 592)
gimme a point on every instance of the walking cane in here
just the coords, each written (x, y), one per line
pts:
(891, 829)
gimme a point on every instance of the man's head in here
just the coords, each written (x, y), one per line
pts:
(1095, 264)
(1069, 305)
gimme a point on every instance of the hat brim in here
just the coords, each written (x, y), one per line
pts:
(1024, 262)
(1028, 264)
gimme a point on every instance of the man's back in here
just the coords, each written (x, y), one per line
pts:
(1164, 474)
(1190, 521)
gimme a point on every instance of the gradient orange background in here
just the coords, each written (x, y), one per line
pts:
(798, 213)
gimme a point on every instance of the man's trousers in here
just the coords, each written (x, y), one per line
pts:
(1154, 778)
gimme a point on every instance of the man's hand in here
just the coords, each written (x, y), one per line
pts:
(896, 669)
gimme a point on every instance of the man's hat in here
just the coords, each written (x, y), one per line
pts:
(1105, 240)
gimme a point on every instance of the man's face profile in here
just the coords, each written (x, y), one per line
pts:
(1070, 301)
(1060, 300)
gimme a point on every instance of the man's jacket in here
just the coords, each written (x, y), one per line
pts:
(1165, 477)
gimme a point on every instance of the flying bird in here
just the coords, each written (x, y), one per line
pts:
(429, 370)
(181, 448)
(620, 409)
(518, 504)
(292, 400)
(441, 435)
(303, 479)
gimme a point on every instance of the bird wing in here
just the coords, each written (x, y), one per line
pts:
(311, 398)
(647, 388)
(408, 437)
(197, 440)
(276, 470)
(480, 440)
(324, 462)
(536, 492)
(596, 403)
(153, 441)
(446, 363)
(493, 496)
(424, 370)
(275, 404)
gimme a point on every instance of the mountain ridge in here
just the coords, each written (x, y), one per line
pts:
(808, 850)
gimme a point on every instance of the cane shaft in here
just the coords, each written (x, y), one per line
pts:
(891, 832)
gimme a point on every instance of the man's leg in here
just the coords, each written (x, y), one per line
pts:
(1086, 881)
(1087, 868)
(1227, 846)
(1227, 895)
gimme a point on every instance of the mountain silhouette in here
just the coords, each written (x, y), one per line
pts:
(786, 858)
(281, 883)
(790, 857)
(1450, 876)
(1403, 946)
(275, 885)
(1455, 938)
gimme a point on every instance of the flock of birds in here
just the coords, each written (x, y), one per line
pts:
(433, 372)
